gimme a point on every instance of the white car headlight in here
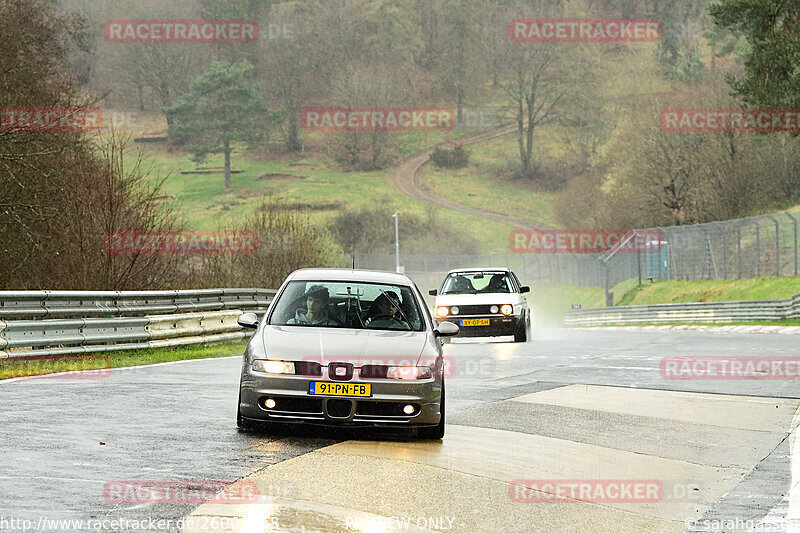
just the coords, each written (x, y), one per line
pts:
(507, 309)
(494, 309)
(273, 367)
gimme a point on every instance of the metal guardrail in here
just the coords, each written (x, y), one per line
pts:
(740, 311)
(48, 304)
(102, 321)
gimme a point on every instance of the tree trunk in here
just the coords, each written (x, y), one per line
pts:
(459, 107)
(293, 135)
(521, 137)
(227, 164)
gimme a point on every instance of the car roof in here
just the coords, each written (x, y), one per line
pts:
(347, 274)
(479, 269)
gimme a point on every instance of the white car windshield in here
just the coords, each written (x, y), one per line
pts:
(477, 282)
(354, 305)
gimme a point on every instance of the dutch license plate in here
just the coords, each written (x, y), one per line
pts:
(340, 389)
(475, 322)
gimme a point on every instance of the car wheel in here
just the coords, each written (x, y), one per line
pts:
(241, 422)
(246, 424)
(435, 432)
(521, 335)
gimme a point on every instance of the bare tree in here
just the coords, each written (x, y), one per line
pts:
(537, 79)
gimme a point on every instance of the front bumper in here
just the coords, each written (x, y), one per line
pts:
(383, 409)
(498, 325)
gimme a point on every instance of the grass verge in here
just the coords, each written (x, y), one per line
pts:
(105, 362)
(793, 322)
(664, 292)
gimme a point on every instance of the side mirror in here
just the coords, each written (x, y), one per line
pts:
(248, 320)
(524, 289)
(433, 292)
(446, 329)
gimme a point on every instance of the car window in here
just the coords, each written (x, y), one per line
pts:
(347, 305)
(478, 282)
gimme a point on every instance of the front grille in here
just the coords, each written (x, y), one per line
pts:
(339, 408)
(474, 309)
(307, 368)
(296, 405)
(382, 408)
(374, 371)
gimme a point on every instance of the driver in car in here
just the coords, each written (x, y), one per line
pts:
(316, 311)
(385, 312)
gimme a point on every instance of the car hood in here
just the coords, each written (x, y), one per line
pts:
(324, 345)
(486, 298)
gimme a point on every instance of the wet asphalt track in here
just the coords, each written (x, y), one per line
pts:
(177, 421)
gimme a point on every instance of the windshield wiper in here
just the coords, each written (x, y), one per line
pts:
(399, 308)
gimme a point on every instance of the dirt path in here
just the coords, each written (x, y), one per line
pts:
(408, 180)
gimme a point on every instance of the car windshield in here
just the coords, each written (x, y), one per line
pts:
(477, 282)
(353, 305)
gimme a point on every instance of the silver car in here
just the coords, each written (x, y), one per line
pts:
(345, 348)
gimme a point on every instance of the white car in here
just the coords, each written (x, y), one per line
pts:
(345, 348)
(484, 302)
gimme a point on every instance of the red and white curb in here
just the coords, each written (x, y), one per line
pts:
(788, 330)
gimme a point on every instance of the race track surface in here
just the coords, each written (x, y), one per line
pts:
(587, 408)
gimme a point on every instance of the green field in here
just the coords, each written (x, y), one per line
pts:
(482, 186)
(306, 184)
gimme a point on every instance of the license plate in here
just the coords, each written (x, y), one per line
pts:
(475, 322)
(340, 389)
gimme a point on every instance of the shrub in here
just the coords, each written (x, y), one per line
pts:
(455, 158)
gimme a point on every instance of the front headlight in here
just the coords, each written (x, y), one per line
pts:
(507, 309)
(273, 367)
(409, 372)
(442, 311)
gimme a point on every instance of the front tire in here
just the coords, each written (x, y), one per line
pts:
(435, 432)
(521, 335)
(247, 425)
